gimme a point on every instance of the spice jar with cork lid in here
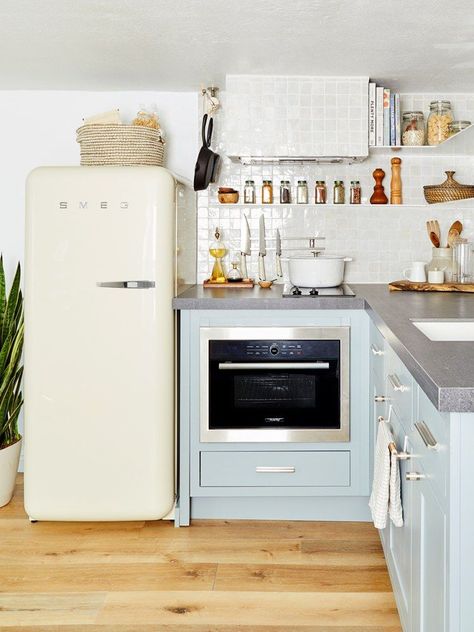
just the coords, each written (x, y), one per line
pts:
(320, 192)
(267, 192)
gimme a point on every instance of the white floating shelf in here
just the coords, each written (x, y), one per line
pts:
(469, 203)
(461, 144)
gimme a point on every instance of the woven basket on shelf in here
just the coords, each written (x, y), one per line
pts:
(123, 145)
(449, 191)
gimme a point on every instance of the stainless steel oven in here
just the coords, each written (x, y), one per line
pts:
(288, 384)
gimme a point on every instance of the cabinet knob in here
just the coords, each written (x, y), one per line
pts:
(380, 398)
(414, 476)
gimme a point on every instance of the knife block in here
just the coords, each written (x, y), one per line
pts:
(378, 196)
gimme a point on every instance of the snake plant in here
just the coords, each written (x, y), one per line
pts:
(11, 346)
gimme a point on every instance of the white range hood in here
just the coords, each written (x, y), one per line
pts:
(295, 119)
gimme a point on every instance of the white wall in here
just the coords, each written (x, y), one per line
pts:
(39, 128)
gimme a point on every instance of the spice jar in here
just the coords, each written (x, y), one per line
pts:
(267, 192)
(356, 192)
(338, 194)
(438, 121)
(285, 192)
(458, 126)
(413, 129)
(320, 192)
(249, 192)
(302, 192)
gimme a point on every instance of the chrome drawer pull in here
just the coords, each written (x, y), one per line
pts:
(427, 436)
(414, 476)
(275, 469)
(396, 384)
(380, 399)
(263, 366)
(375, 351)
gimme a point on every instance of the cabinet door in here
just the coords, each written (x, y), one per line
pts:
(429, 558)
(377, 409)
(399, 538)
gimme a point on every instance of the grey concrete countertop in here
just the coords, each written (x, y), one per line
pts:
(444, 370)
(197, 297)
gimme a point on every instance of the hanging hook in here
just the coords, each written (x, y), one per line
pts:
(211, 99)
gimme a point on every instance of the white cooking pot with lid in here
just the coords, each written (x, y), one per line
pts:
(320, 271)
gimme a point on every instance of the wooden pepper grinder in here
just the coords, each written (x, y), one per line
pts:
(396, 182)
(378, 196)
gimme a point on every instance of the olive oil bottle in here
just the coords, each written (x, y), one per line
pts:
(217, 250)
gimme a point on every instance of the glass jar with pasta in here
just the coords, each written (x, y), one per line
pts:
(439, 120)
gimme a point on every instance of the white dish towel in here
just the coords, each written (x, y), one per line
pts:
(385, 497)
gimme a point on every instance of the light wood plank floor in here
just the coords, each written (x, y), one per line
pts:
(216, 576)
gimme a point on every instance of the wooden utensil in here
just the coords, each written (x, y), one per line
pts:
(434, 239)
(452, 236)
(432, 226)
(457, 225)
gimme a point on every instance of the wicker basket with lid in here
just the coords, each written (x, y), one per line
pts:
(449, 191)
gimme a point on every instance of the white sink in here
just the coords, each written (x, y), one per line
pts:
(452, 330)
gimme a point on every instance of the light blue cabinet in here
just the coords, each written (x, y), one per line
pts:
(417, 552)
(327, 481)
(429, 550)
(398, 549)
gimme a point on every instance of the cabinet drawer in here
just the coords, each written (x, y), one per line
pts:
(399, 388)
(431, 427)
(275, 469)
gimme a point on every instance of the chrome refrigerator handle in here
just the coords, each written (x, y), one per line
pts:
(127, 285)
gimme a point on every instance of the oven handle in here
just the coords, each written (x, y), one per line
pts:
(260, 366)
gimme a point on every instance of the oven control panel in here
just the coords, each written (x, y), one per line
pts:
(274, 349)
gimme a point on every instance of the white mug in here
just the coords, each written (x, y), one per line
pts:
(416, 273)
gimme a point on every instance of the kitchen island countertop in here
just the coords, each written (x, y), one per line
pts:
(444, 370)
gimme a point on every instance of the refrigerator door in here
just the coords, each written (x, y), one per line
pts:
(99, 351)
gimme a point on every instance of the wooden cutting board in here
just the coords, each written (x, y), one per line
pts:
(430, 287)
(229, 286)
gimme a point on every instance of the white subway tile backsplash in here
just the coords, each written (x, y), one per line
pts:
(382, 240)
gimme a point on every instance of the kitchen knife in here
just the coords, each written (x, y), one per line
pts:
(262, 250)
(279, 272)
(244, 245)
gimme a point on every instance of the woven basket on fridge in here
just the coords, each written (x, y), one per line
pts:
(123, 145)
(449, 191)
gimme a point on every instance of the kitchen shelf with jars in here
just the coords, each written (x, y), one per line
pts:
(396, 122)
(460, 143)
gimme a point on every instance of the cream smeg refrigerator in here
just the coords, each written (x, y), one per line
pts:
(100, 275)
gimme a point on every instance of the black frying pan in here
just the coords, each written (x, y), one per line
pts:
(207, 162)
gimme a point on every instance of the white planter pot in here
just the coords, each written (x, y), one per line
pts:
(322, 271)
(9, 459)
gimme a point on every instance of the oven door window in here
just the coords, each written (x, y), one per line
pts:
(296, 396)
